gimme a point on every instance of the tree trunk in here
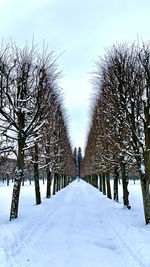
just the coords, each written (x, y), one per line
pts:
(145, 183)
(67, 181)
(116, 178)
(48, 190)
(125, 185)
(23, 181)
(145, 180)
(92, 176)
(7, 180)
(64, 181)
(36, 177)
(18, 178)
(108, 185)
(54, 184)
(60, 181)
(96, 180)
(101, 184)
(104, 184)
(146, 198)
(57, 182)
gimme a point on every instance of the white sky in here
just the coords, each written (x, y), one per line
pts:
(82, 28)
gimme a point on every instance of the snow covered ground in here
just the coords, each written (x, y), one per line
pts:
(79, 227)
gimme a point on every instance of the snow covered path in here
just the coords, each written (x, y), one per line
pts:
(79, 227)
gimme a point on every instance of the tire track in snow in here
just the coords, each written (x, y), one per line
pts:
(21, 244)
(124, 248)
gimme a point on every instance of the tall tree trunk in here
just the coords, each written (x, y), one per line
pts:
(146, 199)
(48, 189)
(96, 180)
(101, 184)
(145, 180)
(7, 180)
(93, 180)
(36, 177)
(23, 181)
(145, 183)
(125, 185)
(18, 178)
(65, 181)
(116, 178)
(57, 182)
(108, 185)
(104, 184)
(62, 181)
(54, 184)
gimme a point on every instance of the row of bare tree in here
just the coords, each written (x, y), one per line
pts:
(119, 136)
(33, 125)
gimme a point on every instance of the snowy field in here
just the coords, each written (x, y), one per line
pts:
(79, 227)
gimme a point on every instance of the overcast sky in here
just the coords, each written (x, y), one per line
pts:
(81, 28)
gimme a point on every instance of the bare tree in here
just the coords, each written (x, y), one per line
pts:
(122, 139)
(25, 79)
